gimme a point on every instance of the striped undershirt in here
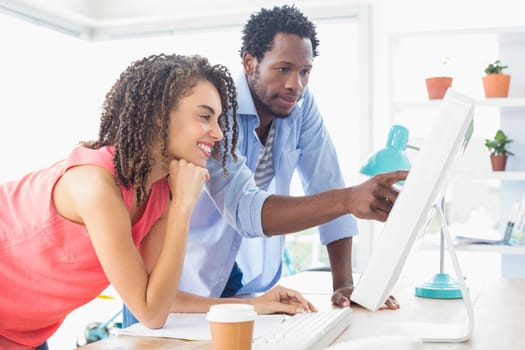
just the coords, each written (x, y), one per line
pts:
(264, 169)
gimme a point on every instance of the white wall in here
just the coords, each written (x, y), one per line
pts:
(53, 86)
(47, 106)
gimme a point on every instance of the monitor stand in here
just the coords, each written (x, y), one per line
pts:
(441, 332)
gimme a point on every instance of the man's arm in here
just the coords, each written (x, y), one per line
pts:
(372, 199)
(340, 256)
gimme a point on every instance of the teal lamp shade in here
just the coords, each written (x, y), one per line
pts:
(392, 157)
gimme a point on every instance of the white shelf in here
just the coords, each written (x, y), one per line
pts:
(492, 175)
(503, 249)
(432, 243)
(502, 102)
(490, 102)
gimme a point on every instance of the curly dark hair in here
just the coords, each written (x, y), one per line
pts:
(146, 92)
(258, 33)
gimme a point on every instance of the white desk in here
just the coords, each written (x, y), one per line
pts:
(499, 307)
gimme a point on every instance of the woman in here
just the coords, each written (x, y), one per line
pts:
(68, 231)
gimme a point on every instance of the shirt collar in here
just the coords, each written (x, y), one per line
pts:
(244, 97)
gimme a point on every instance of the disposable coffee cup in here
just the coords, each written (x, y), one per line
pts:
(231, 326)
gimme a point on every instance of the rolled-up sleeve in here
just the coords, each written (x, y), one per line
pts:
(236, 196)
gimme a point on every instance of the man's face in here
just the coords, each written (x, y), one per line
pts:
(277, 81)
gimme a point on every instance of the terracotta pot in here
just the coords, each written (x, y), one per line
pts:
(496, 85)
(437, 87)
(498, 162)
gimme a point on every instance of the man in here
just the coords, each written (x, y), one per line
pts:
(280, 130)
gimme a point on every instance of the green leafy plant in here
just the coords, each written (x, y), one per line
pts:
(498, 145)
(495, 68)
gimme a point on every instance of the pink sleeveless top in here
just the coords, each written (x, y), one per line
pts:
(48, 266)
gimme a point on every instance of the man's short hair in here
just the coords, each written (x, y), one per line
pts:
(260, 30)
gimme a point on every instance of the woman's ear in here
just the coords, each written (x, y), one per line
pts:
(249, 63)
(158, 121)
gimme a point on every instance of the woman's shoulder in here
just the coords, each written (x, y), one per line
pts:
(86, 188)
(90, 173)
(102, 156)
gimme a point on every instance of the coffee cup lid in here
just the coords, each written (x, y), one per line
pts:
(231, 313)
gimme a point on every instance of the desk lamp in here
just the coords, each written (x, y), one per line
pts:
(441, 286)
(392, 158)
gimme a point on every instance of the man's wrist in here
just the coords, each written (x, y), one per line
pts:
(340, 283)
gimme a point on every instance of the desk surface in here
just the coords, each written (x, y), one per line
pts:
(499, 308)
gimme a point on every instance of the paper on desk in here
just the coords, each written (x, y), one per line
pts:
(196, 327)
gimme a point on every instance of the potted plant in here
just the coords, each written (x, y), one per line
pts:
(437, 86)
(495, 83)
(498, 150)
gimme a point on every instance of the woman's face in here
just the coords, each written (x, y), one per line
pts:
(193, 127)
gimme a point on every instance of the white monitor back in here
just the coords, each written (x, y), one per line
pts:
(423, 187)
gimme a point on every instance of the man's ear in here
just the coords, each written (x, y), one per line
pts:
(249, 63)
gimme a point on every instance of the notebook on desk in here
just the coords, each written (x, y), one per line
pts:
(307, 331)
(195, 327)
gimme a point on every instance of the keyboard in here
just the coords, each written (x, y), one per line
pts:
(306, 331)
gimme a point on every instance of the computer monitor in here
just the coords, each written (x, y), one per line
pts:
(423, 188)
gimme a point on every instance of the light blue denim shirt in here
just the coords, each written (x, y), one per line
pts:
(216, 241)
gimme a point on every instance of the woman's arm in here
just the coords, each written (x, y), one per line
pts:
(277, 300)
(100, 208)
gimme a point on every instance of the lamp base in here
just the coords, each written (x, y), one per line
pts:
(441, 286)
